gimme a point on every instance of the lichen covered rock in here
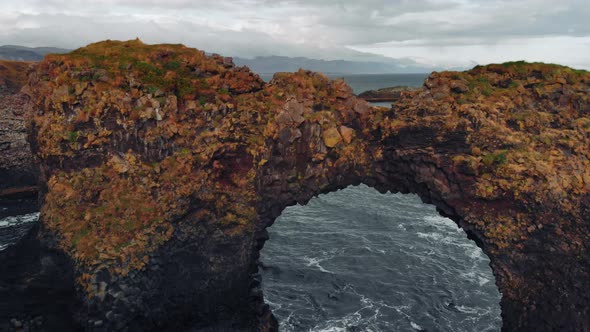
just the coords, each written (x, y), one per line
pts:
(163, 167)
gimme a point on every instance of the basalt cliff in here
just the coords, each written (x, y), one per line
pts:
(18, 175)
(161, 167)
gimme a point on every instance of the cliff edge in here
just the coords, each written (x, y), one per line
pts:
(19, 176)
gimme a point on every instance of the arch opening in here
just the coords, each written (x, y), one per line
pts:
(356, 259)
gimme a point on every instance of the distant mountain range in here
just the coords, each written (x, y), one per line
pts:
(273, 64)
(261, 65)
(23, 53)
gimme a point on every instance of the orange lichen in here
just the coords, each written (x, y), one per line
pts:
(137, 140)
(13, 74)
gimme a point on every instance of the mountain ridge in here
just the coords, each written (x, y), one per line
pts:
(24, 53)
(274, 63)
(261, 64)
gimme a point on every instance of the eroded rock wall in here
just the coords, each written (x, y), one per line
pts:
(18, 176)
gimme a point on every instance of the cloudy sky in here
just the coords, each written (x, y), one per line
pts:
(443, 33)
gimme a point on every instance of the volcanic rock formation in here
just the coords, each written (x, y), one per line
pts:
(162, 167)
(16, 162)
(393, 93)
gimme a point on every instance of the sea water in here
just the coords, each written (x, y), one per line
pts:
(358, 260)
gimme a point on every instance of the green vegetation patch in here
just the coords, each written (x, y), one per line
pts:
(164, 68)
(73, 136)
(498, 157)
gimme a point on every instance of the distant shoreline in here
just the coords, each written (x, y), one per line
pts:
(389, 94)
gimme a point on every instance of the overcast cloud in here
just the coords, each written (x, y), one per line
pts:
(433, 32)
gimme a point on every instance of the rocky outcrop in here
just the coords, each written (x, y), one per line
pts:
(385, 94)
(17, 174)
(162, 168)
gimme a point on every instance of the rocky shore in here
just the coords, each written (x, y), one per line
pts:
(161, 168)
(390, 94)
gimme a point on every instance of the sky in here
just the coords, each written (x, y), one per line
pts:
(441, 33)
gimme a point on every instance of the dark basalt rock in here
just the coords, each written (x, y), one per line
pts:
(162, 168)
(37, 288)
(19, 177)
(385, 94)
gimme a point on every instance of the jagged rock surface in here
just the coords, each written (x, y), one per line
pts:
(385, 94)
(17, 174)
(162, 168)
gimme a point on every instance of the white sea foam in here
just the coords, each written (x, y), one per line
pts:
(330, 329)
(416, 326)
(469, 276)
(273, 306)
(373, 250)
(440, 221)
(315, 262)
(475, 253)
(467, 310)
(13, 221)
(18, 220)
(343, 324)
(482, 281)
(433, 236)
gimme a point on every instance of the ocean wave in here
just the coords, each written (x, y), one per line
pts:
(434, 236)
(415, 326)
(374, 250)
(315, 262)
(476, 253)
(482, 281)
(475, 277)
(19, 220)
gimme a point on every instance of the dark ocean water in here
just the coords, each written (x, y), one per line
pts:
(357, 260)
(14, 227)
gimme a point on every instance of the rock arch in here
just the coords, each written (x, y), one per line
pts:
(162, 167)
